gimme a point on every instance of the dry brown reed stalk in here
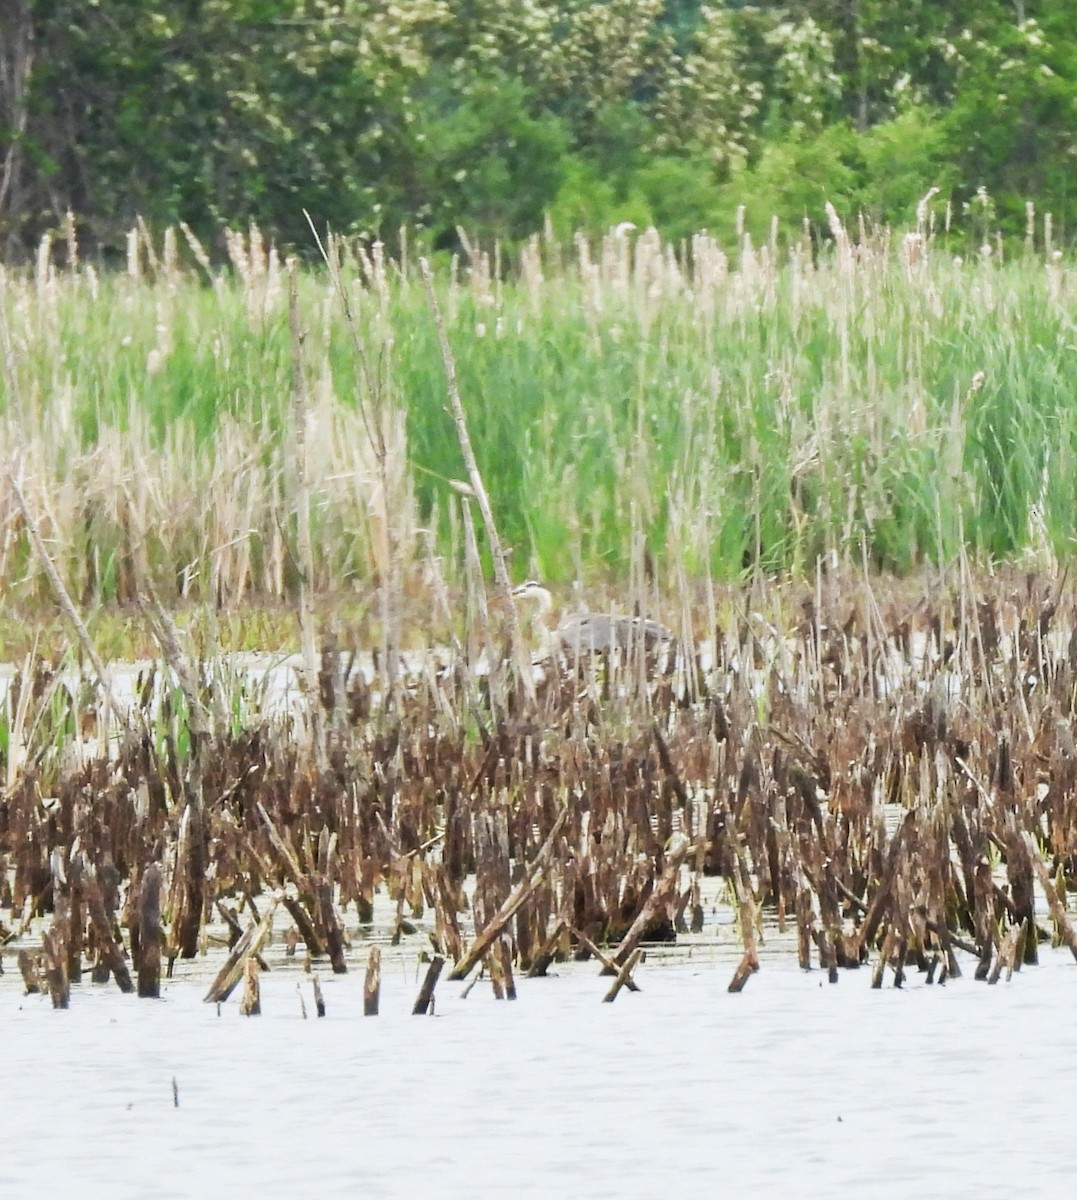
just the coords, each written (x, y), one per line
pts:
(521, 656)
(476, 590)
(609, 967)
(424, 1002)
(146, 947)
(187, 896)
(312, 877)
(374, 413)
(54, 949)
(1066, 931)
(202, 721)
(304, 546)
(251, 1004)
(844, 769)
(624, 975)
(109, 950)
(65, 601)
(372, 983)
(30, 969)
(665, 889)
(248, 947)
(532, 877)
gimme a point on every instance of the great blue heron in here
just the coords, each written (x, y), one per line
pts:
(588, 633)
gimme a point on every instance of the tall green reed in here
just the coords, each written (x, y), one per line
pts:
(710, 411)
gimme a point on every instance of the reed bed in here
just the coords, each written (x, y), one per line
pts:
(887, 770)
(884, 767)
(629, 401)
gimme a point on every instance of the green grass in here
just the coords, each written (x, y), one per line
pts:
(719, 414)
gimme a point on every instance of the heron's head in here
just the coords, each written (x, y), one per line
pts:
(533, 591)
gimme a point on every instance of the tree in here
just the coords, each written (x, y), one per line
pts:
(16, 69)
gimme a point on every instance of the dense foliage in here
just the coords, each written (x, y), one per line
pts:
(494, 114)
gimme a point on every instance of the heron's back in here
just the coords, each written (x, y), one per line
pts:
(591, 633)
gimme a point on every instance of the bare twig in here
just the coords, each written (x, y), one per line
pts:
(304, 546)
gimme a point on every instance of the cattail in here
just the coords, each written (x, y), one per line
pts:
(134, 264)
(43, 272)
(912, 250)
(147, 244)
(257, 257)
(170, 255)
(200, 255)
(922, 209)
(71, 238)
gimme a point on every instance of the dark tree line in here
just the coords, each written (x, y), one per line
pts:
(494, 114)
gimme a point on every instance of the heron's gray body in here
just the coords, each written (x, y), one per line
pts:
(590, 633)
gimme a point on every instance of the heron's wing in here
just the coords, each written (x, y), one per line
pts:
(586, 633)
(590, 632)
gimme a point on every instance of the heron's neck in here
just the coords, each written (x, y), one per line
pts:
(544, 601)
(543, 606)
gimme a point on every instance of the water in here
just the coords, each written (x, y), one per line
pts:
(794, 1088)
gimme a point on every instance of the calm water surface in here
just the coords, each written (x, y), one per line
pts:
(793, 1088)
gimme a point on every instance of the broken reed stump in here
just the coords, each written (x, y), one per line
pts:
(446, 923)
(149, 934)
(478, 979)
(624, 976)
(314, 944)
(609, 967)
(188, 878)
(746, 968)
(108, 947)
(230, 917)
(319, 999)
(248, 946)
(551, 946)
(372, 983)
(54, 948)
(329, 923)
(947, 941)
(1066, 932)
(56, 969)
(312, 908)
(986, 925)
(425, 1000)
(251, 1004)
(664, 890)
(30, 968)
(1019, 871)
(882, 897)
(500, 965)
(749, 962)
(805, 921)
(1008, 953)
(532, 878)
